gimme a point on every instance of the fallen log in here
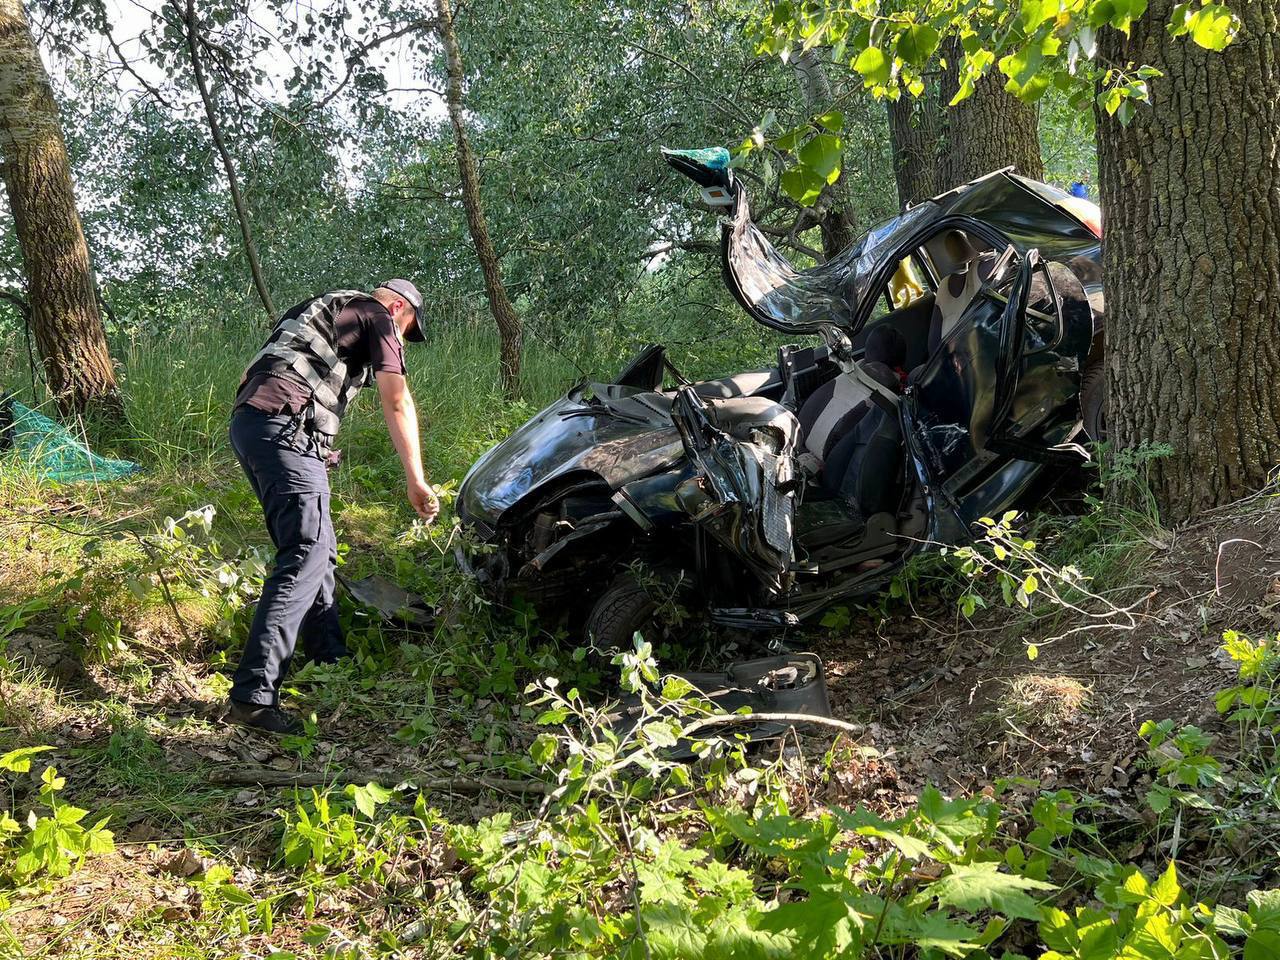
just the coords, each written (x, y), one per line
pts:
(266, 777)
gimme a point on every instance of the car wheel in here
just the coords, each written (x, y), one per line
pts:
(641, 604)
(1093, 400)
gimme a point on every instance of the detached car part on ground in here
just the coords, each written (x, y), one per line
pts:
(758, 500)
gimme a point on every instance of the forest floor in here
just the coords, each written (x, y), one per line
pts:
(127, 688)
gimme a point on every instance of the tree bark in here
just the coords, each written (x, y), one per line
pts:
(1191, 189)
(37, 177)
(504, 314)
(188, 16)
(989, 130)
(915, 136)
(838, 224)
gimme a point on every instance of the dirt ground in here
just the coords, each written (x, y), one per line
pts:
(961, 703)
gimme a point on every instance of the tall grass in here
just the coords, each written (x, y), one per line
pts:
(179, 384)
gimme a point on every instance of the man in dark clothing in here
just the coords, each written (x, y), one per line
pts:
(287, 411)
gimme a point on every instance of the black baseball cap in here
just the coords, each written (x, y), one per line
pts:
(414, 299)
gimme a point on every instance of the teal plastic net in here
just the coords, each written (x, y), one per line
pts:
(31, 441)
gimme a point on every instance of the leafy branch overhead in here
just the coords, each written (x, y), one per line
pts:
(1035, 45)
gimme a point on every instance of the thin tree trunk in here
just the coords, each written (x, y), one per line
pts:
(989, 130)
(1191, 189)
(838, 225)
(509, 328)
(915, 136)
(37, 178)
(215, 131)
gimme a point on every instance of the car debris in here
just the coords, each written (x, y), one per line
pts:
(793, 684)
(393, 603)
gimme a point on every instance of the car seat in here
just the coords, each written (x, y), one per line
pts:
(962, 268)
(833, 410)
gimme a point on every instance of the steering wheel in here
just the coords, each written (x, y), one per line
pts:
(839, 346)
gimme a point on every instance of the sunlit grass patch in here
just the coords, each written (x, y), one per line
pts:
(1042, 701)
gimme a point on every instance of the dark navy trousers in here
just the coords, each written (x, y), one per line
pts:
(297, 599)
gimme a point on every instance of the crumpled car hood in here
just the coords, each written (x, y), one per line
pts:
(616, 433)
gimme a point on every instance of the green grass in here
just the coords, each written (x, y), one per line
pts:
(133, 725)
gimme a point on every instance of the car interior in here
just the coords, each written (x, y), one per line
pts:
(839, 417)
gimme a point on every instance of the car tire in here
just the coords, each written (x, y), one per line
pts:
(1093, 400)
(627, 607)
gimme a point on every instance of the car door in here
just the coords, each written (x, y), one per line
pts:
(742, 490)
(996, 401)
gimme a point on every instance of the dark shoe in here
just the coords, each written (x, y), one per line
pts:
(268, 719)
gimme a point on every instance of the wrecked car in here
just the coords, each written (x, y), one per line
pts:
(951, 371)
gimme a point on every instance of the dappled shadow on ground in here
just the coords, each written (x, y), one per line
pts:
(943, 700)
(959, 702)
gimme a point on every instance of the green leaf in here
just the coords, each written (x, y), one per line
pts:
(51, 780)
(19, 761)
(672, 930)
(555, 715)
(978, 886)
(822, 925)
(543, 749)
(659, 886)
(917, 43)
(833, 121)
(821, 155)
(790, 140)
(676, 688)
(1229, 922)
(1213, 26)
(368, 797)
(866, 824)
(802, 185)
(874, 66)
(1036, 12)
(1262, 945)
(937, 931)
(1166, 889)
(1123, 12)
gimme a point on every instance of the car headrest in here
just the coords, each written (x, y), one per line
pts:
(886, 345)
(951, 252)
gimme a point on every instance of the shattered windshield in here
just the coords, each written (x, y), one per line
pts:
(780, 296)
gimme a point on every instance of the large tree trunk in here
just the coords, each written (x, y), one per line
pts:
(1191, 191)
(915, 136)
(504, 313)
(37, 178)
(989, 130)
(837, 223)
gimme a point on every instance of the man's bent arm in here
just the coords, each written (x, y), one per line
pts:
(402, 423)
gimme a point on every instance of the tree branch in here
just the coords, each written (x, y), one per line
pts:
(242, 213)
(357, 56)
(266, 777)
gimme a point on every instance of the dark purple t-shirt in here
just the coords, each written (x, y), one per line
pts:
(366, 338)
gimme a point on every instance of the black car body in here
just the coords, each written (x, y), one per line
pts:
(710, 483)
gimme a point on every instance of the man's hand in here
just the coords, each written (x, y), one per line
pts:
(423, 500)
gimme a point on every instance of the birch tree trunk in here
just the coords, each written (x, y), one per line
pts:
(37, 178)
(1191, 190)
(504, 314)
